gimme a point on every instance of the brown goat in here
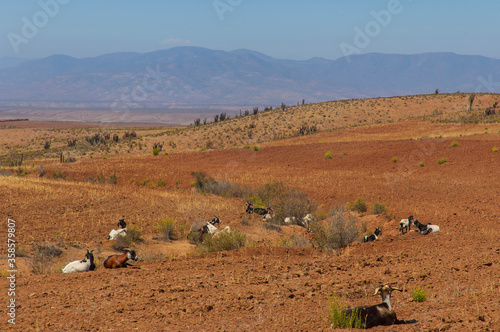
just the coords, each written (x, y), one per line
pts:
(116, 261)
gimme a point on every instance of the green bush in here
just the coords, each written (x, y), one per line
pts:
(454, 144)
(359, 205)
(166, 229)
(379, 208)
(418, 295)
(421, 164)
(255, 148)
(156, 151)
(57, 175)
(222, 241)
(495, 149)
(337, 316)
(329, 155)
(113, 179)
(442, 160)
(394, 159)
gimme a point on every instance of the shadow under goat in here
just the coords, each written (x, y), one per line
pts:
(379, 314)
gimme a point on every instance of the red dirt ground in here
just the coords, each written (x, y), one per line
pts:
(266, 288)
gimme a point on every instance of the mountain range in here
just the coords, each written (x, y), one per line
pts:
(186, 76)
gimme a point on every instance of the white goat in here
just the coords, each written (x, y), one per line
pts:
(87, 264)
(226, 230)
(405, 224)
(117, 232)
(208, 229)
(304, 222)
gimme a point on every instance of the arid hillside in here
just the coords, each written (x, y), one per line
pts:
(432, 160)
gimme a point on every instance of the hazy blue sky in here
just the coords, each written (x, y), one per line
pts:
(290, 29)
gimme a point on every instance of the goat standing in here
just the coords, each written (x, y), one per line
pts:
(379, 314)
(405, 224)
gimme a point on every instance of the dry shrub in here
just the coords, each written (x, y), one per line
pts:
(342, 230)
(285, 201)
(222, 242)
(207, 185)
(167, 229)
(293, 241)
(43, 258)
(133, 236)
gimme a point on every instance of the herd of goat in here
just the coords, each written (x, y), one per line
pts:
(370, 316)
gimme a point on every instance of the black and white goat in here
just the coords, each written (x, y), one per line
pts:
(122, 231)
(425, 229)
(87, 264)
(208, 228)
(374, 236)
(269, 215)
(249, 209)
(405, 224)
(379, 314)
(215, 220)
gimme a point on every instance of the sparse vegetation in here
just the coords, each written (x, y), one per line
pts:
(329, 155)
(342, 230)
(394, 159)
(379, 208)
(454, 144)
(495, 149)
(133, 236)
(442, 160)
(421, 164)
(359, 205)
(166, 229)
(337, 317)
(418, 295)
(42, 260)
(223, 242)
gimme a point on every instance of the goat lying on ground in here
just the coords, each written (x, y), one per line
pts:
(269, 215)
(304, 222)
(405, 224)
(87, 264)
(250, 209)
(380, 314)
(117, 232)
(374, 236)
(122, 223)
(425, 229)
(226, 230)
(116, 261)
(214, 221)
(208, 228)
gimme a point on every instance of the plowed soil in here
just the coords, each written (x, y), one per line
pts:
(265, 287)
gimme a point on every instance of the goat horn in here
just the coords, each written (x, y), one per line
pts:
(377, 290)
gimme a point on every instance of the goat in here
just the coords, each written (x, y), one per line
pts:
(304, 222)
(214, 221)
(425, 229)
(374, 236)
(208, 228)
(226, 230)
(87, 264)
(116, 261)
(115, 233)
(269, 215)
(379, 314)
(122, 224)
(249, 209)
(405, 224)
